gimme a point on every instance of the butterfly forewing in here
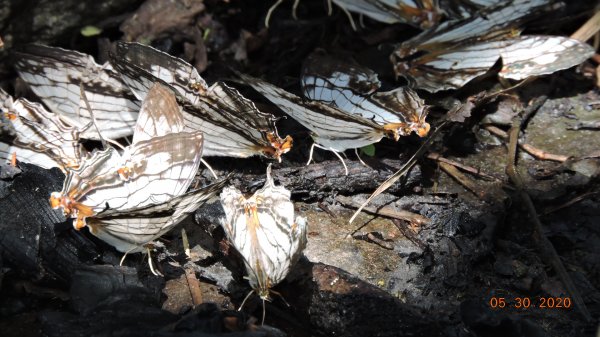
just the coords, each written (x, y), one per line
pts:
(263, 230)
(54, 74)
(351, 87)
(332, 128)
(180, 75)
(232, 124)
(522, 57)
(129, 229)
(418, 13)
(40, 137)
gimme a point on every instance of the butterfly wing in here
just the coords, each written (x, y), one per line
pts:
(129, 229)
(351, 87)
(232, 124)
(159, 115)
(540, 55)
(40, 137)
(331, 127)
(522, 57)
(418, 13)
(263, 231)
(54, 74)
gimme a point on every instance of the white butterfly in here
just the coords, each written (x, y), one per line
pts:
(128, 230)
(159, 165)
(263, 230)
(54, 75)
(418, 13)
(352, 88)
(455, 52)
(332, 129)
(40, 137)
(232, 125)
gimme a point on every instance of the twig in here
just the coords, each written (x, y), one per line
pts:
(588, 29)
(376, 238)
(462, 179)
(403, 170)
(194, 287)
(387, 211)
(477, 172)
(545, 246)
(570, 202)
(534, 151)
(410, 235)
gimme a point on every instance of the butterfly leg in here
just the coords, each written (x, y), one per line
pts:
(359, 158)
(245, 299)
(271, 12)
(349, 18)
(294, 9)
(329, 8)
(151, 265)
(312, 148)
(209, 168)
(341, 159)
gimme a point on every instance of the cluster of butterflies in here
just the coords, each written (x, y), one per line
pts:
(130, 195)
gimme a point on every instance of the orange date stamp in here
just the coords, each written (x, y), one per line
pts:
(497, 302)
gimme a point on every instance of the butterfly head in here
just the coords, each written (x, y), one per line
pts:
(278, 146)
(71, 207)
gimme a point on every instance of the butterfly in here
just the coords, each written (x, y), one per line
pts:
(332, 129)
(352, 88)
(39, 137)
(128, 230)
(232, 125)
(54, 74)
(455, 52)
(159, 165)
(263, 230)
(418, 13)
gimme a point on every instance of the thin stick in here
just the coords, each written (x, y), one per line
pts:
(532, 150)
(545, 246)
(474, 171)
(589, 28)
(387, 211)
(462, 179)
(402, 171)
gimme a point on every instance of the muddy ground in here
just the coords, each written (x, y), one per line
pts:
(446, 271)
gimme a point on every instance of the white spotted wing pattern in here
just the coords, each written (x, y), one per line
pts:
(263, 230)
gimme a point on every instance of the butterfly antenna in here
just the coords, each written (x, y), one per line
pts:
(271, 12)
(245, 299)
(124, 256)
(209, 168)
